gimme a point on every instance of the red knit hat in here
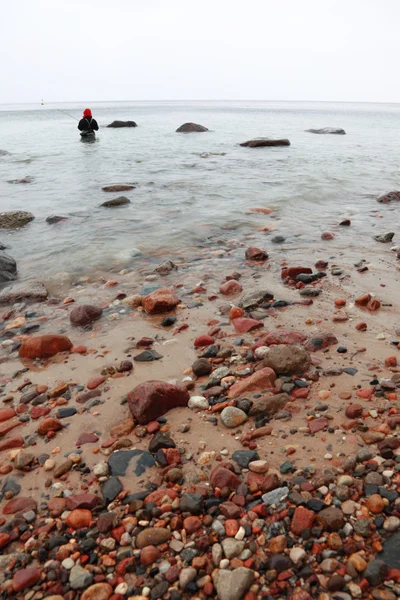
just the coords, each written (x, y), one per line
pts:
(87, 112)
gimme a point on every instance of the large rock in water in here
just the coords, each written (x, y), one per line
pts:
(44, 346)
(30, 291)
(332, 130)
(120, 201)
(262, 142)
(287, 359)
(118, 188)
(85, 314)
(389, 197)
(160, 301)
(191, 128)
(8, 268)
(117, 124)
(14, 219)
(152, 399)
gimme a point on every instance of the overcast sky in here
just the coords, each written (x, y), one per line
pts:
(67, 50)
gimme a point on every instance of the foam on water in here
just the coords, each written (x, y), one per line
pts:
(192, 187)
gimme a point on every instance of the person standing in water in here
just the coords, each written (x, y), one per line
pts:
(87, 125)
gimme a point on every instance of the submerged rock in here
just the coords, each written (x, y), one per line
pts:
(26, 179)
(8, 268)
(385, 238)
(389, 197)
(30, 291)
(160, 301)
(261, 142)
(118, 188)
(55, 219)
(191, 128)
(152, 399)
(85, 314)
(117, 124)
(254, 299)
(120, 201)
(332, 130)
(14, 219)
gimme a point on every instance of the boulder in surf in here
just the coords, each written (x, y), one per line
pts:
(191, 128)
(262, 142)
(118, 124)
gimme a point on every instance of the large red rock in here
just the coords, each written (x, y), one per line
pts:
(231, 287)
(152, 399)
(244, 325)
(17, 441)
(7, 413)
(19, 504)
(320, 341)
(302, 519)
(354, 411)
(160, 301)
(85, 314)
(222, 477)
(9, 426)
(44, 346)
(49, 424)
(256, 254)
(88, 501)
(79, 518)
(280, 336)
(292, 272)
(203, 340)
(263, 379)
(318, 424)
(25, 578)
(159, 494)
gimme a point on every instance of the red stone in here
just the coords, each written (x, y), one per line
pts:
(149, 555)
(160, 301)
(361, 326)
(222, 477)
(14, 442)
(4, 539)
(7, 413)
(85, 314)
(244, 325)
(152, 427)
(192, 524)
(327, 235)
(172, 455)
(256, 254)
(39, 411)
(320, 341)
(363, 300)
(87, 438)
(19, 504)
(230, 288)
(354, 411)
(49, 424)
(300, 393)
(391, 361)
(373, 305)
(44, 346)
(9, 426)
(317, 424)
(263, 379)
(25, 578)
(302, 519)
(365, 393)
(281, 336)
(56, 506)
(79, 349)
(203, 340)
(292, 272)
(158, 495)
(79, 518)
(88, 501)
(95, 382)
(152, 399)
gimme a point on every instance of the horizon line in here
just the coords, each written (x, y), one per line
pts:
(39, 102)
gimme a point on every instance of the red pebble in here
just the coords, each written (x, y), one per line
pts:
(95, 382)
(203, 340)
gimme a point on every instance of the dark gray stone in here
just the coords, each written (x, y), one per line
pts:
(244, 457)
(111, 488)
(120, 461)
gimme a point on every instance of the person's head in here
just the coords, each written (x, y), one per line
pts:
(87, 112)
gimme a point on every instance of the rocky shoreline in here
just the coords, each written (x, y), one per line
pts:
(191, 431)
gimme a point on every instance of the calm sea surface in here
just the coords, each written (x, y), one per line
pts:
(192, 189)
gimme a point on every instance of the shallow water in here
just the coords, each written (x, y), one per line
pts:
(183, 200)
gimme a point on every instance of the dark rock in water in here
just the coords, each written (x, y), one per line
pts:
(332, 130)
(26, 179)
(120, 201)
(307, 278)
(345, 223)
(14, 219)
(4, 153)
(385, 238)
(278, 239)
(147, 356)
(244, 457)
(168, 321)
(375, 572)
(166, 267)
(389, 197)
(85, 314)
(191, 128)
(118, 188)
(117, 124)
(55, 219)
(31, 291)
(111, 488)
(261, 142)
(391, 551)
(8, 268)
(121, 460)
(310, 292)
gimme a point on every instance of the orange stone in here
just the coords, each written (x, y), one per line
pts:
(44, 346)
(390, 361)
(79, 518)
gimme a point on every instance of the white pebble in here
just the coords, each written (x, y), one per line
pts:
(146, 591)
(261, 352)
(240, 534)
(68, 563)
(224, 564)
(328, 456)
(122, 588)
(381, 336)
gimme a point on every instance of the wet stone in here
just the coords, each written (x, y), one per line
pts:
(244, 457)
(137, 461)
(160, 440)
(111, 488)
(66, 412)
(147, 356)
(191, 503)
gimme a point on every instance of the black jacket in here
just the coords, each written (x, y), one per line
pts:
(88, 124)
